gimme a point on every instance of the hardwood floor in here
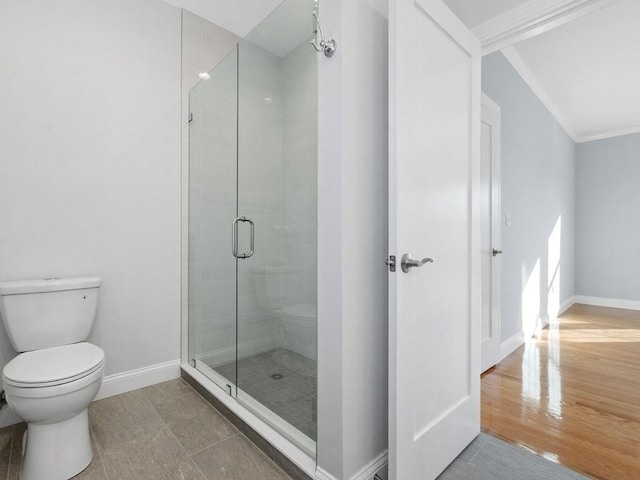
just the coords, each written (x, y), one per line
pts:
(573, 395)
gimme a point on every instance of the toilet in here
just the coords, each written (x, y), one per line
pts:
(51, 383)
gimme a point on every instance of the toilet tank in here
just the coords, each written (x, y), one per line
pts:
(48, 312)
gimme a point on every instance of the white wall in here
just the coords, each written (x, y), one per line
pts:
(90, 163)
(352, 238)
(607, 227)
(538, 164)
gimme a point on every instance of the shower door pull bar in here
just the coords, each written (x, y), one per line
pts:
(234, 237)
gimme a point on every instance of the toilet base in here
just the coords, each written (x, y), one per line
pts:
(57, 451)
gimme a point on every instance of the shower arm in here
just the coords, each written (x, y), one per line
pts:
(326, 46)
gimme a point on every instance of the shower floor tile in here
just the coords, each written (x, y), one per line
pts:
(281, 380)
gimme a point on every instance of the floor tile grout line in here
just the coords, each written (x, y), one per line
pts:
(470, 461)
(13, 429)
(168, 400)
(213, 444)
(233, 427)
(272, 460)
(241, 433)
(187, 454)
(99, 452)
(164, 425)
(238, 433)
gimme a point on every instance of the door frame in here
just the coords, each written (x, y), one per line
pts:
(491, 115)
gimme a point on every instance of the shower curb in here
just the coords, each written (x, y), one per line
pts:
(269, 450)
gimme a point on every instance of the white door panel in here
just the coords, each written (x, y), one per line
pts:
(491, 232)
(434, 168)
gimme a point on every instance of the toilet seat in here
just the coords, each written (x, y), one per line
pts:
(53, 366)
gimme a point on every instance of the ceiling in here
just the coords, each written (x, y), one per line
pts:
(287, 27)
(283, 25)
(237, 16)
(586, 71)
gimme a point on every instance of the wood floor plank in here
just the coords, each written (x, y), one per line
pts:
(573, 395)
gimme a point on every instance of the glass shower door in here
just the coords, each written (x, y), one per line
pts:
(277, 178)
(252, 223)
(212, 207)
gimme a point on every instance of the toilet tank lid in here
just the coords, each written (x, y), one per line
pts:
(40, 285)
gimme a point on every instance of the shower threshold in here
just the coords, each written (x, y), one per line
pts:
(281, 380)
(242, 403)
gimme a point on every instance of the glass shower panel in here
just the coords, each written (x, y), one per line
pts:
(212, 207)
(277, 190)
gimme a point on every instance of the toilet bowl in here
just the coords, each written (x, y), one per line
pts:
(51, 390)
(299, 329)
(57, 375)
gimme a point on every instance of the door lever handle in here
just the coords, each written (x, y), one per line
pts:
(496, 252)
(408, 263)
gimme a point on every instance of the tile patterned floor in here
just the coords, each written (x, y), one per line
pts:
(488, 458)
(168, 432)
(291, 396)
(163, 432)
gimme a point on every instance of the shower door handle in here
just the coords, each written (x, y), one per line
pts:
(234, 237)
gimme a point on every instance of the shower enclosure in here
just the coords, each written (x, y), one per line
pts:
(252, 223)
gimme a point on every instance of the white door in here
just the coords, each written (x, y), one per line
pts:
(490, 236)
(434, 310)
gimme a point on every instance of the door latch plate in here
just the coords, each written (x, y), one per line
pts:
(391, 263)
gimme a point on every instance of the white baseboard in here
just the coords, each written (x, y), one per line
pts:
(116, 384)
(566, 305)
(322, 474)
(544, 323)
(607, 302)
(365, 473)
(142, 377)
(511, 344)
(369, 470)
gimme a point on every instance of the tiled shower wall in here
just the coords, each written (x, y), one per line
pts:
(300, 179)
(259, 198)
(276, 142)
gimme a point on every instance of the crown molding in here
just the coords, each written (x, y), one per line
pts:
(520, 66)
(532, 81)
(530, 19)
(610, 134)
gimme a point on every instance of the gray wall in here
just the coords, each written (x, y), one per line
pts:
(607, 220)
(538, 161)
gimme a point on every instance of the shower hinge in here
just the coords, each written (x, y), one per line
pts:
(193, 362)
(190, 117)
(230, 389)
